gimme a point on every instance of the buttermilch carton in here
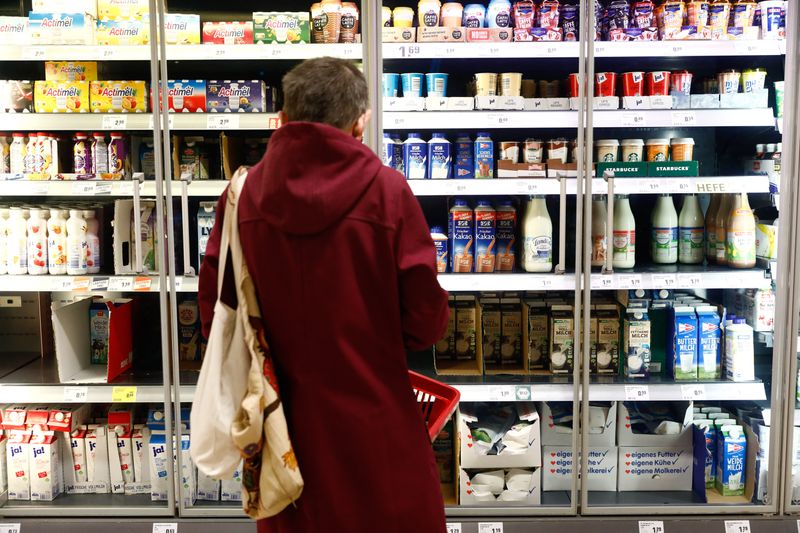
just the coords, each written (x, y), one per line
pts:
(637, 343)
(731, 460)
(511, 343)
(606, 356)
(19, 470)
(682, 350)
(708, 352)
(562, 326)
(538, 342)
(45, 463)
(491, 318)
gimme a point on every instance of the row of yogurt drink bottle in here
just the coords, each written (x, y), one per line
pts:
(726, 446)
(41, 240)
(36, 153)
(417, 159)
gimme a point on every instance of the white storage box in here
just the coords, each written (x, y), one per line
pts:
(470, 458)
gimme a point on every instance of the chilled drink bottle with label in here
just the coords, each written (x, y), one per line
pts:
(724, 210)
(741, 244)
(691, 248)
(99, 154)
(664, 238)
(599, 240)
(76, 244)
(37, 243)
(537, 233)
(711, 228)
(57, 243)
(17, 243)
(92, 241)
(624, 239)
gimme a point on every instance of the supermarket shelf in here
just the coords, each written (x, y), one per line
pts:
(87, 284)
(74, 188)
(198, 52)
(685, 118)
(89, 505)
(138, 121)
(539, 50)
(672, 391)
(682, 277)
(421, 120)
(703, 185)
(689, 48)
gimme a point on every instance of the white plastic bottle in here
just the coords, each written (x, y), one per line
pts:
(76, 244)
(691, 249)
(599, 240)
(4, 212)
(37, 243)
(99, 154)
(5, 154)
(624, 252)
(439, 158)
(664, 237)
(739, 352)
(31, 153)
(725, 206)
(93, 242)
(17, 153)
(537, 234)
(17, 242)
(57, 243)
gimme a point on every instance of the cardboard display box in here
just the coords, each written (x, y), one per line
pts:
(558, 465)
(655, 468)
(403, 104)
(125, 260)
(452, 366)
(647, 102)
(626, 437)
(500, 103)
(449, 103)
(468, 456)
(507, 169)
(546, 104)
(550, 437)
(466, 493)
(399, 35)
(490, 35)
(441, 34)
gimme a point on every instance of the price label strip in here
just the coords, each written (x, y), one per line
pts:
(490, 527)
(689, 281)
(123, 394)
(223, 121)
(601, 281)
(76, 394)
(630, 281)
(453, 527)
(664, 281)
(10, 528)
(651, 526)
(684, 119)
(120, 284)
(502, 394)
(114, 122)
(693, 392)
(142, 284)
(171, 527)
(737, 526)
(635, 393)
(634, 120)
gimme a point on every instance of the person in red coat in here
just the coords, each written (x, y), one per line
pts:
(345, 272)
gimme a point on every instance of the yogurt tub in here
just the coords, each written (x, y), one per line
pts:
(436, 84)
(657, 149)
(606, 150)
(682, 149)
(632, 150)
(486, 84)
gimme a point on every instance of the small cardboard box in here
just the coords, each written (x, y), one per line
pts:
(182, 29)
(465, 367)
(626, 436)
(467, 450)
(449, 103)
(490, 35)
(14, 30)
(443, 34)
(403, 104)
(124, 32)
(70, 71)
(557, 169)
(61, 96)
(282, 27)
(752, 100)
(399, 35)
(673, 169)
(704, 101)
(546, 104)
(238, 96)
(500, 103)
(507, 169)
(71, 329)
(656, 468)
(466, 497)
(558, 465)
(61, 28)
(228, 32)
(118, 97)
(551, 437)
(123, 9)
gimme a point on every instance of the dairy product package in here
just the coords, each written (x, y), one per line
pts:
(739, 352)
(464, 167)
(466, 327)
(123, 9)
(708, 350)
(3, 464)
(126, 455)
(188, 473)
(709, 432)
(182, 29)
(77, 6)
(538, 340)
(186, 96)
(124, 32)
(77, 446)
(16, 96)
(149, 238)
(67, 418)
(14, 30)
(46, 469)
(491, 324)
(189, 329)
(237, 97)
(605, 357)
(19, 470)
(208, 488)
(758, 309)
(484, 157)
(118, 96)
(141, 467)
(228, 32)
(731, 460)
(206, 215)
(159, 464)
(511, 340)
(232, 488)
(14, 417)
(61, 28)
(37, 418)
(562, 326)
(61, 96)
(97, 470)
(445, 349)
(682, 350)
(281, 27)
(70, 70)
(636, 343)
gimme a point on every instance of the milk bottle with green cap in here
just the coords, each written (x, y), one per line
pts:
(664, 238)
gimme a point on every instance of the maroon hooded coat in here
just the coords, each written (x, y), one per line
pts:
(345, 271)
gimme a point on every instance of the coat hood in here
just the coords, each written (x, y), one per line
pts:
(311, 177)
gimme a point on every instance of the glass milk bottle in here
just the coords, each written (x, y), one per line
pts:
(711, 228)
(57, 243)
(741, 234)
(4, 213)
(599, 240)
(691, 248)
(721, 223)
(664, 237)
(17, 243)
(76, 244)
(537, 235)
(624, 239)
(37, 243)
(93, 242)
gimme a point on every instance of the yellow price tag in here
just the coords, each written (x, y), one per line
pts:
(123, 394)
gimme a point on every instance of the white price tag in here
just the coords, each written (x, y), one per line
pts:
(83, 188)
(76, 394)
(215, 52)
(737, 526)
(10, 528)
(601, 281)
(99, 284)
(630, 281)
(498, 120)
(114, 122)
(676, 49)
(634, 120)
(649, 186)
(411, 50)
(461, 187)
(349, 51)
(103, 188)
(453, 527)
(33, 52)
(398, 121)
(651, 526)
(223, 122)
(690, 281)
(81, 284)
(527, 186)
(62, 284)
(678, 185)
(126, 188)
(693, 392)
(546, 283)
(664, 281)
(490, 527)
(502, 394)
(171, 527)
(40, 187)
(635, 393)
(684, 119)
(178, 283)
(170, 122)
(120, 284)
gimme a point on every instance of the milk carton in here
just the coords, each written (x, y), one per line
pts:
(97, 465)
(511, 345)
(188, 473)
(562, 326)
(538, 329)
(3, 464)
(732, 459)
(466, 326)
(682, 350)
(709, 335)
(464, 160)
(19, 470)
(159, 465)
(78, 449)
(189, 329)
(484, 156)
(206, 217)
(711, 450)
(485, 237)
(46, 469)
(605, 359)
(445, 349)
(491, 318)
(637, 343)
(125, 452)
(232, 488)
(739, 351)
(208, 488)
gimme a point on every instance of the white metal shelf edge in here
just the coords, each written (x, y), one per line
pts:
(700, 185)
(91, 283)
(137, 121)
(92, 188)
(65, 393)
(722, 279)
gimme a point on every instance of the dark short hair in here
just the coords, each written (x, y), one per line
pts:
(327, 90)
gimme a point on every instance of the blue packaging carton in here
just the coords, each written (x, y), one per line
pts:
(682, 350)
(484, 156)
(731, 460)
(465, 160)
(709, 336)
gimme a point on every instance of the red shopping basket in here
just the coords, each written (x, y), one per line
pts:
(437, 401)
